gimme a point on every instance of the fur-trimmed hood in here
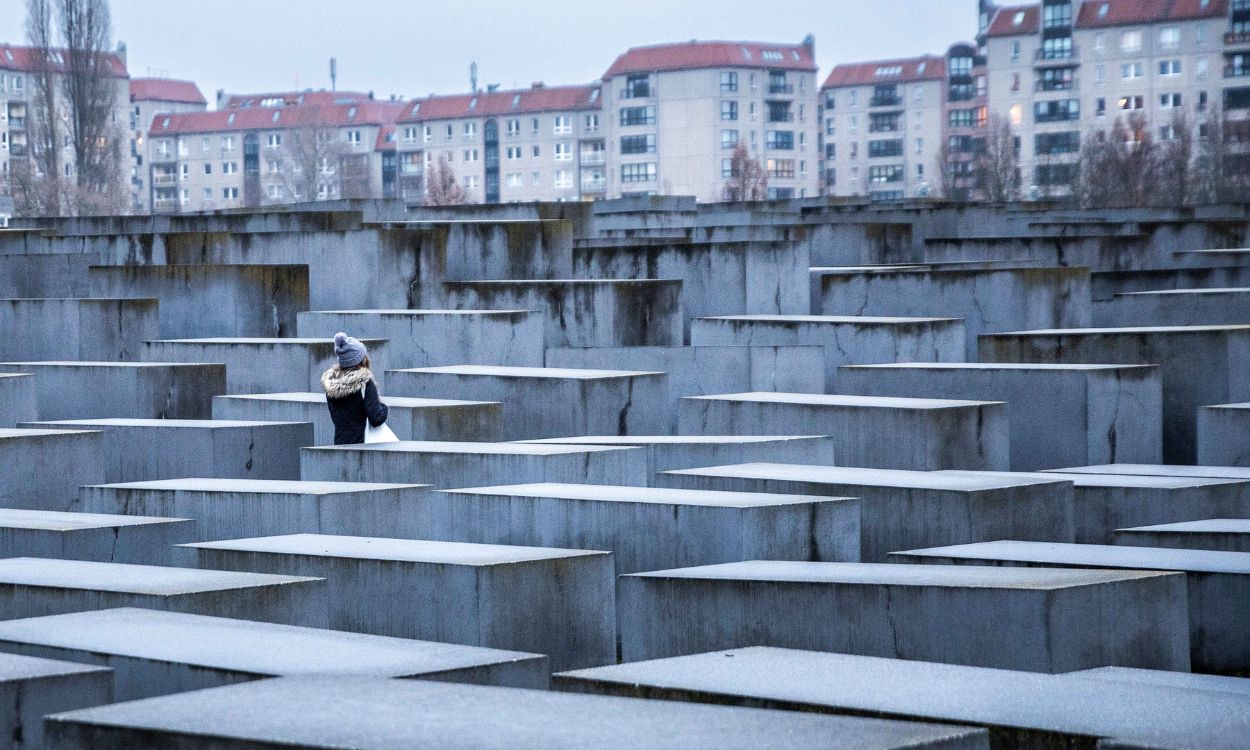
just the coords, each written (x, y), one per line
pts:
(343, 383)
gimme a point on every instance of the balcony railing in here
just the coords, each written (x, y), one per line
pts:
(164, 179)
(594, 186)
(1238, 38)
(781, 117)
(1044, 86)
(593, 158)
(1060, 55)
(885, 101)
(1236, 71)
(160, 157)
(781, 88)
(17, 123)
(17, 149)
(164, 204)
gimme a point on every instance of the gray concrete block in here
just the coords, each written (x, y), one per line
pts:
(92, 536)
(1238, 473)
(450, 465)
(1010, 618)
(558, 602)
(1176, 307)
(86, 329)
(847, 340)
(666, 452)
(1059, 414)
(145, 449)
(878, 432)
(232, 508)
(408, 418)
(142, 390)
(18, 401)
(651, 528)
(377, 714)
(212, 300)
(643, 312)
(36, 586)
(1223, 435)
(1199, 365)
(1218, 585)
(158, 653)
(30, 688)
(429, 338)
(1020, 709)
(43, 469)
(1224, 534)
(541, 402)
(1168, 679)
(898, 508)
(265, 365)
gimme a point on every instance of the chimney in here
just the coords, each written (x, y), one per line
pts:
(537, 85)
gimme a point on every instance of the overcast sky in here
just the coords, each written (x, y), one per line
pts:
(417, 47)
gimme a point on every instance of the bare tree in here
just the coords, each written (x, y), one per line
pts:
(998, 167)
(310, 159)
(1175, 157)
(1119, 168)
(945, 173)
(1218, 178)
(747, 180)
(36, 179)
(441, 188)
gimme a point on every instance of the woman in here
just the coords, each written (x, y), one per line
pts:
(351, 393)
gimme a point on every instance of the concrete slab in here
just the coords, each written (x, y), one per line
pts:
(1223, 435)
(232, 508)
(1166, 678)
(667, 452)
(1241, 473)
(91, 536)
(1177, 307)
(143, 390)
(158, 653)
(558, 602)
(377, 714)
(1225, 534)
(541, 402)
(879, 432)
(1038, 620)
(1218, 583)
(37, 586)
(408, 418)
(27, 455)
(86, 329)
(446, 465)
(265, 365)
(18, 402)
(30, 688)
(898, 507)
(144, 449)
(1020, 709)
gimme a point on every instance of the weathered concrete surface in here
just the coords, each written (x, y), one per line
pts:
(1058, 414)
(91, 536)
(651, 528)
(987, 299)
(1218, 585)
(878, 432)
(31, 688)
(85, 329)
(34, 586)
(1176, 307)
(231, 508)
(212, 300)
(542, 402)
(377, 714)
(1164, 678)
(847, 340)
(558, 602)
(142, 390)
(1020, 709)
(266, 365)
(18, 402)
(1010, 618)
(1223, 436)
(144, 449)
(1199, 365)
(43, 469)
(158, 653)
(450, 465)
(1225, 534)
(1240, 473)
(429, 338)
(408, 418)
(666, 452)
(898, 508)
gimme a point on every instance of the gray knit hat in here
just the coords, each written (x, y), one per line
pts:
(349, 351)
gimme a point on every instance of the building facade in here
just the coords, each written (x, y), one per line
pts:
(149, 97)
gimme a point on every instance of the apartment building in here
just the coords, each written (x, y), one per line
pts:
(149, 97)
(676, 112)
(883, 127)
(1065, 68)
(270, 155)
(965, 123)
(544, 143)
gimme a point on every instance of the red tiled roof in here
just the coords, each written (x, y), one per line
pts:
(1100, 13)
(927, 68)
(1004, 21)
(386, 138)
(165, 90)
(263, 118)
(292, 98)
(497, 103)
(692, 55)
(13, 57)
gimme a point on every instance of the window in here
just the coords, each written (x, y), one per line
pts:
(727, 168)
(782, 140)
(961, 118)
(1130, 41)
(637, 87)
(208, 194)
(885, 173)
(1057, 111)
(514, 180)
(877, 149)
(1046, 144)
(229, 167)
(427, 133)
(185, 172)
(644, 172)
(728, 138)
(205, 144)
(1202, 101)
(353, 137)
(208, 168)
(1056, 16)
(536, 152)
(880, 123)
(1167, 132)
(591, 123)
(230, 193)
(1056, 48)
(451, 131)
(830, 128)
(638, 144)
(275, 192)
(783, 168)
(729, 111)
(1100, 43)
(470, 181)
(1015, 51)
(410, 135)
(564, 152)
(1169, 37)
(1130, 71)
(274, 140)
(1100, 107)
(227, 143)
(1169, 101)
(1132, 103)
(470, 154)
(514, 127)
(534, 126)
(831, 150)
(275, 166)
(470, 129)
(638, 116)
(854, 149)
(831, 101)
(1100, 74)
(564, 178)
(562, 125)
(1169, 67)
(728, 82)
(512, 153)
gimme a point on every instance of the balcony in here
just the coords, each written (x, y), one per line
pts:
(594, 186)
(1237, 39)
(1236, 71)
(781, 88)
(163, 157)
(17, 123)
(1049, 86)
(164, 179)
(1056, 57)
(165, 204)
(886, 101)
(593, 158)
(17, 149)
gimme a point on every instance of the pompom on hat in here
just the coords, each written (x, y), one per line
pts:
(349, 350)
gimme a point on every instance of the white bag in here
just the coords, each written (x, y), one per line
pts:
(381, 434)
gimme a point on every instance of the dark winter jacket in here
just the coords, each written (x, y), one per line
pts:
(348, 410)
